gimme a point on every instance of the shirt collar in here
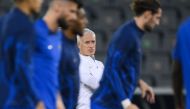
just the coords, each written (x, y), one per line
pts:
(87, 57)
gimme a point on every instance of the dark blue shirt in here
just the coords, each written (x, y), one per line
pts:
(69, 73)
(122, 68)
(182, 54)
(17, 34)
(47, 54)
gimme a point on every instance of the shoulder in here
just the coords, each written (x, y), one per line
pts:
(39, 26)
(17, 24)
(184, 25)
(40, 30)
(183, 29)
(125, 33)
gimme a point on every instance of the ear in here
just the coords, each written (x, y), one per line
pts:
(78, 44)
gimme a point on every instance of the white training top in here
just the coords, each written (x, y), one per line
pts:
(91, 72)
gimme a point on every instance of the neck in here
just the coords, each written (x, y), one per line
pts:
(83, 54)
(51, 21)
(92, 56)
(69, 34)
(139, 22)
(24, 8)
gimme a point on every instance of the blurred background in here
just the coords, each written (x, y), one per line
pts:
(105, 16)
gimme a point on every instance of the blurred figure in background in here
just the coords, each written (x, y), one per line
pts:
(122, 67)
(17, 40)
(48, 50)
(69, 64)
(90, 69)
(181, 66)
(82, 18)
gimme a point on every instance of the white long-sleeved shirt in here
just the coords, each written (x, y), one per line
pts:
(91, 72)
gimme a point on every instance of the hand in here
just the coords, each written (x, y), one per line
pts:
(132, 106)
(147, 92)
(40, 105)
(60, 104)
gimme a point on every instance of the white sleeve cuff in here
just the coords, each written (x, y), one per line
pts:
(125, 103)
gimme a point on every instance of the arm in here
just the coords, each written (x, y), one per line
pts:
(124, 76)
(24, 65)
(177, 84)
(125, 85)
(177, 70)
(90, 78)
(69, 83)
(89, 81)
(60, 104)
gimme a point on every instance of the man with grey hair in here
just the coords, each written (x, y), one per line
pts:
(90, 69)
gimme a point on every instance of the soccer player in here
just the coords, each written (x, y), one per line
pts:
(122, 67)
(48, 50)
(181, 69)
(17, 35)
(90, 69)
(69, 64)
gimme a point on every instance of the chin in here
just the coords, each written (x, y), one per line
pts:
(92, 54)
(89, 54)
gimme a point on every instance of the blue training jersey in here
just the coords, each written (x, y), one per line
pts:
(17, 36)
(47, 52)
(69, 73)
(122, 68)
(182, 54)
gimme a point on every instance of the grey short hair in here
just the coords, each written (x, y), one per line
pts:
(86, 30)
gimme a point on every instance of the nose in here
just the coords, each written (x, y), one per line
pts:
(41, 2)
(74, 16)
(158, 22)
(91, 45)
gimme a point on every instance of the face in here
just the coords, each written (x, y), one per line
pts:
(153, 20)
(87, 44)
(35, 6)
(82, 19)
(78, 26)
(68, 14)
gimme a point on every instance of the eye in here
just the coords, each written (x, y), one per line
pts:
(87, 42)
(93, 42)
